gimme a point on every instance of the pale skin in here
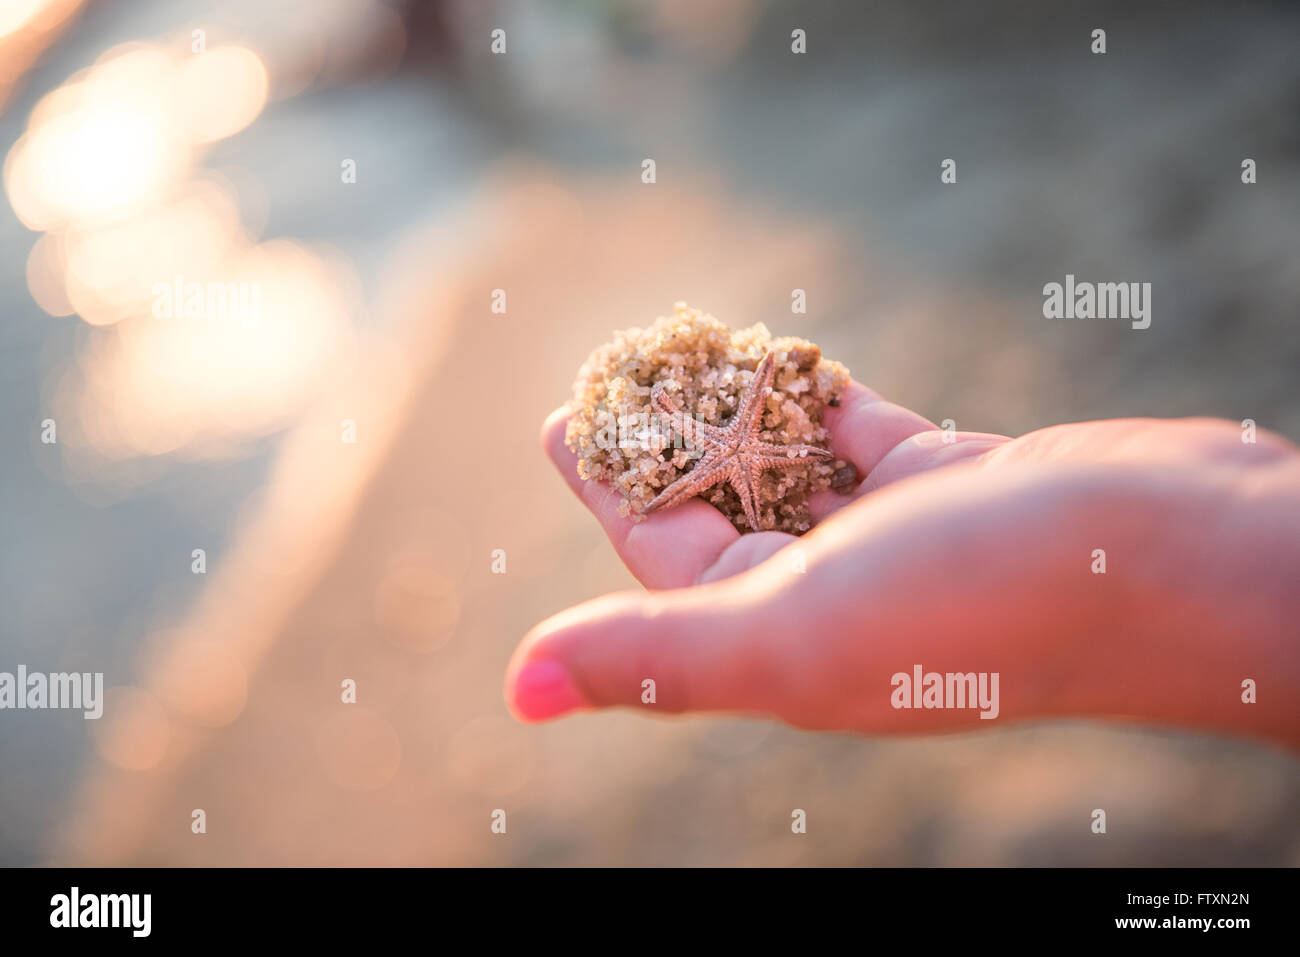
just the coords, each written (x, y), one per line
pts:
(965, 552)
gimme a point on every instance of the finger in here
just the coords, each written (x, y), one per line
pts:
(669, 549)
(925, 451)
(919, 453)
(699, 649)
(746, 552)
(864, 427)
(886, 442)
(823, 504)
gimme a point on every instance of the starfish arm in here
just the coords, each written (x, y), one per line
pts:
(745, 482)
(767, 463)
(795, 453)
(781, 463)
(692, 430)
(701, 433)
(704, 476)
(662, 401)
(749, 418)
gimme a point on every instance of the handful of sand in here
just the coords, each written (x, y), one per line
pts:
(705, 370)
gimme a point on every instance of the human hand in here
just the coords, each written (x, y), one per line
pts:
(963, 552)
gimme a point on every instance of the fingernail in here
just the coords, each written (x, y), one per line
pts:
(543, 689)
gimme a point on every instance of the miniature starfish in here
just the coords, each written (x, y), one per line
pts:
(732, 453)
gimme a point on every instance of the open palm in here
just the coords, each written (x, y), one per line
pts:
(961, 552)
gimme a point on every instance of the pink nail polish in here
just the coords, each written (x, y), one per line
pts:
(544, 690)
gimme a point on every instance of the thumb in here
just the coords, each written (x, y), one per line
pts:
(707, 648)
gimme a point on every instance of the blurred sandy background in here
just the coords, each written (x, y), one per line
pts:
(372, 560)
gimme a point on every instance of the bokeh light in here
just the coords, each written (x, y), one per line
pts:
(16, 14)
(137, 233)
(134, 731)
(101, 146)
